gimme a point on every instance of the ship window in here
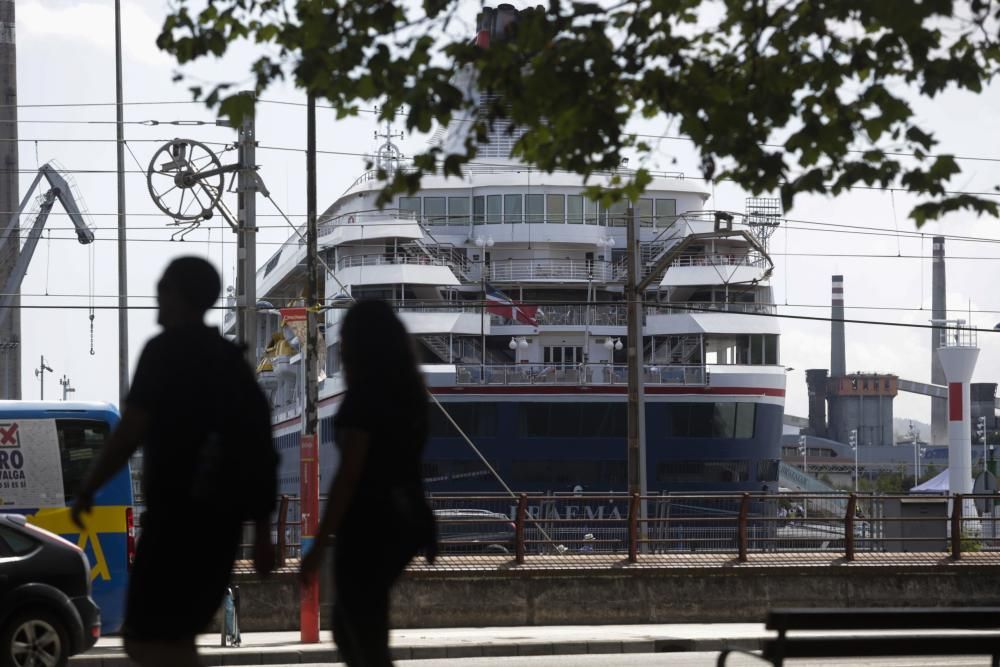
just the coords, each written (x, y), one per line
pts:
(574, 209)
(666, 212)
(512, 208)
(494, 203)
(534, 208)
(771, 349)
(767, 471)
(708, 420)
(555, 209)
(458, 210)
(476, 419)
(646, 218)
(617, 214)
(478, 210)
(434, 210)
(702, 471)
(410, 204)
(564, 355)
(572, 420)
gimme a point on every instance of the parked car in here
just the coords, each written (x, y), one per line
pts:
(474, 531)
(46, 612)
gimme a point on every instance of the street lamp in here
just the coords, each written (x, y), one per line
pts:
(482, 244)
(853, 440)
(914, 435)
(802, 450)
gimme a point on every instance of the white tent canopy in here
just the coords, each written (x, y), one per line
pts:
(936, 484)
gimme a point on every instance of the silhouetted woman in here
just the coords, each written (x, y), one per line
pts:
(375, 507)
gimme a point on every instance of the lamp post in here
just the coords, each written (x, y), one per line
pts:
(40, 374)
(803, 449)
(483, 244)
(914, 436)
(853, 441)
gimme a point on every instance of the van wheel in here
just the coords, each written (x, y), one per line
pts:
(34, 639)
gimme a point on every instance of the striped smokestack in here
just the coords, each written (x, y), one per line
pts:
(10, 333)
(838, 356)
(939, 312)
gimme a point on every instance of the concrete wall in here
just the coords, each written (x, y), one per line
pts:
(740, 593)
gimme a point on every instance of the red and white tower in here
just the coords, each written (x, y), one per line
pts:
(958, 351)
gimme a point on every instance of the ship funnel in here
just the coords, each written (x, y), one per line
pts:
(958, 351)
(939, 312)
(838, 356)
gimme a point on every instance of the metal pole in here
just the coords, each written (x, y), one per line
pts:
(246, 257)
(482, 315)
(122, 256)
(636, 408)
(309, 489)
(855, 468)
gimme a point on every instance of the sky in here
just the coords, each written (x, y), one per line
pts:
(66, 57)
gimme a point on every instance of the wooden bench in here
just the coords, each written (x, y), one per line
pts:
(927, 622)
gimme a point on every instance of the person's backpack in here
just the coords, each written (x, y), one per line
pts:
(238, 465)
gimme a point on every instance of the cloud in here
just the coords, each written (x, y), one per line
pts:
(94, 24)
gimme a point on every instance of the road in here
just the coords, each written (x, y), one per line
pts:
(692, 659)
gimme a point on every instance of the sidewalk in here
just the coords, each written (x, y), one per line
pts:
(278, 648)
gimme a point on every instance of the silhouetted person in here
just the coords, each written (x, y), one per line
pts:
(376, 505)
(204, 425)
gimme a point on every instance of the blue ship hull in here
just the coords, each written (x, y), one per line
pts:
(557, 447)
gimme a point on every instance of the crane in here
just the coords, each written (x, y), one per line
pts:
(58, 189)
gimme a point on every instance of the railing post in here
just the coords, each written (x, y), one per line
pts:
(522, 512)
(282, 527)
(741, 527)
(956, 527)
(633, 528)
(852, 508)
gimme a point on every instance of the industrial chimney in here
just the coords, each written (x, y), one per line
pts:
(10, 333)
(939, 312)
(838, 356)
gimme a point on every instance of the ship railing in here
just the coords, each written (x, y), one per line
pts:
(719, 259)
(616, 314)
(585, 530)
(694, 375)
(385, 215)
(694, 307)
(382, 259)
(517, 270)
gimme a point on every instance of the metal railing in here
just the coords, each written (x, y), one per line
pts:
(718, 259)
(577, 374)
(516, 270)
(576, 530)
(382, 259)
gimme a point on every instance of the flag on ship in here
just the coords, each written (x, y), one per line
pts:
(499, 303)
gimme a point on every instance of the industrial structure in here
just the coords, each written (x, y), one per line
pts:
(10, 331)
(860, 402)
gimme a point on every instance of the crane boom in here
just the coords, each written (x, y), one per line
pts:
(58, 189)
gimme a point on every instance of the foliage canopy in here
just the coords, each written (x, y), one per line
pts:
(794, 96)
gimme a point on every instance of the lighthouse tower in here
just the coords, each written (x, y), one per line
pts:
(958, 351)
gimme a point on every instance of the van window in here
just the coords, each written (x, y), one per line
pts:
(79, 442)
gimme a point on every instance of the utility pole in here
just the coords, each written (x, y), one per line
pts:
(40, 374)
(67, 389)
(309, 446)
(122, 263)
(10, 332)
(247, 185)
(636, 404)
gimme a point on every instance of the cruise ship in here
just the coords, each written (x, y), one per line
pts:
(511, 281)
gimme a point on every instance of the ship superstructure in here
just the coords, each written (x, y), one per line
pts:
(511, 282)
